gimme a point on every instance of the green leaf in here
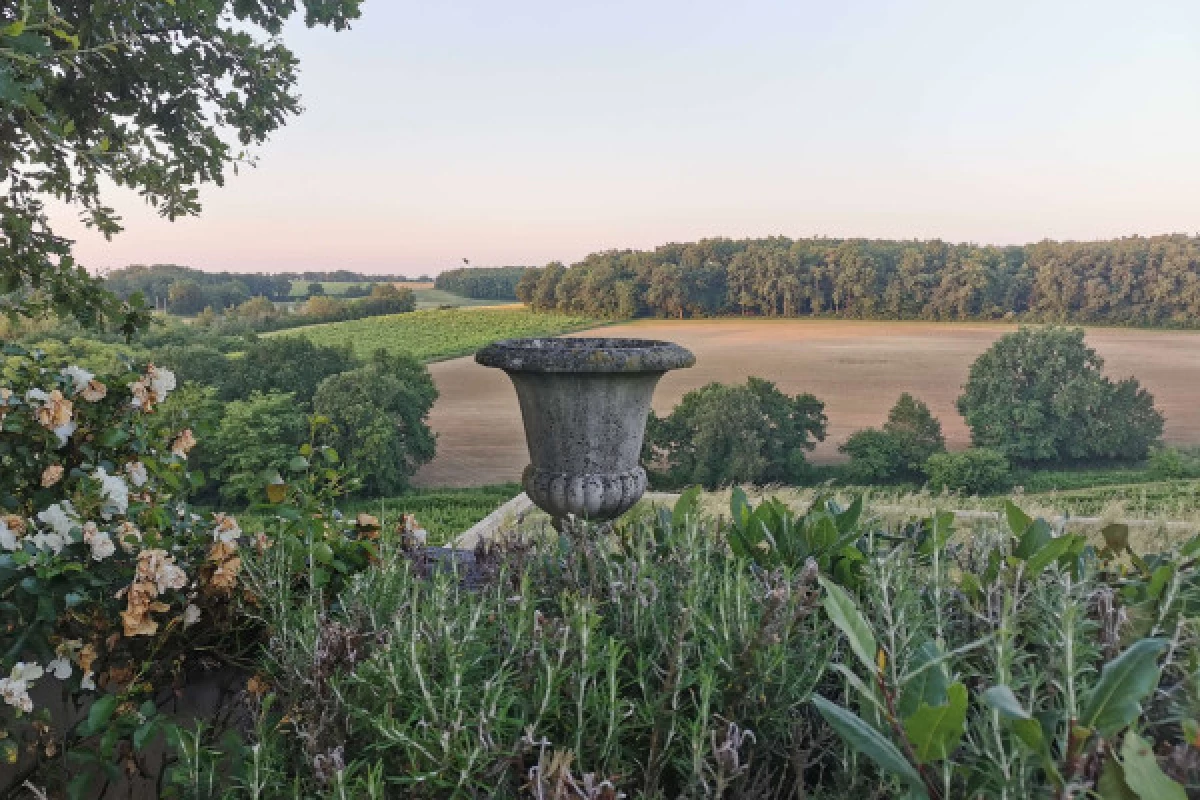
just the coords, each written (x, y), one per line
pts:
(1143, 775)
(1037, 536)
(1191, 548)
(1051, 551)
(869, 694)
(1111, 785)
(1018, 520)
(929, 680)
(99, 714)
(1024, 726)
(871, 743)
(1115, 701)
(298, 464)
(843, 612)
(685, 507)
(848, 519)
(935, 731)
(739, 507)
(145, 733)
(13, 29)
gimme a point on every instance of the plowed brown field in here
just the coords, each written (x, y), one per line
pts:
(857, 368)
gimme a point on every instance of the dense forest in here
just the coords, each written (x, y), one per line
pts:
(1135, 280)
(482, 283)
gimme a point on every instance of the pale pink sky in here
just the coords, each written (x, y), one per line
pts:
(518, 133)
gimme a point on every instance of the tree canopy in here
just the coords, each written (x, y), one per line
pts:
(1038, 395)
(724, 434)
(1135, 280)
(158, 96)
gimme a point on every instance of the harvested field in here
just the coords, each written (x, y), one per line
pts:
(857, 368)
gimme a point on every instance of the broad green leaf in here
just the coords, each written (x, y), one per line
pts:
(1143, 775)
(99, 714)
(1111, 785)
(1158, 581)
(843, 612)
(871, 743)
(846, 520)
(935, 731)
(1018, 520)
(685, 507)
(739, 507)
(1115, 701)
(1002, 699)
(1051, 551)
(929, 682)
(1036, 536)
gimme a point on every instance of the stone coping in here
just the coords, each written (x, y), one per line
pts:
(585, 354)
(514, 510)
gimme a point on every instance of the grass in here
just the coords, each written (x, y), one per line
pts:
(434, 335)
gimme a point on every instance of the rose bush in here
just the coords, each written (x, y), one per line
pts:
(110, 585)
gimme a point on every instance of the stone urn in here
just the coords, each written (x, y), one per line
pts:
(585, 403)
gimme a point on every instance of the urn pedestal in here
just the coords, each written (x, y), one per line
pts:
(584, 403)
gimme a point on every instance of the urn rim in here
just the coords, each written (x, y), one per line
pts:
(585, 354)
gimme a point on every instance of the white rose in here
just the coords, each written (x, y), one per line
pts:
(162, 381)
(60, 517)
(115, 491)
(191, 615)
(137, 473)
(60, 668)
(8, 539)
(102, 546)
(79, 376)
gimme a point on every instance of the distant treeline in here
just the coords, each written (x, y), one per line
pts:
(195, 288)
(260, 314)
(184, 290)
(1135, 280)
(482, 283)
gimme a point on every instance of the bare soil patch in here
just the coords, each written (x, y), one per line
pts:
(857, 368)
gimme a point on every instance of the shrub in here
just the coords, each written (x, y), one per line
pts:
(1173, 463)
(721, 434)
(1038, 395)
(651, 661)
(109, 585)
(898, 452)
(600, 658)
(975, 471)
(875, 457)
(256, 437)
(378, 415)
(1059, 687)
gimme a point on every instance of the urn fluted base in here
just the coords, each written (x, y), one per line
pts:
(590, 496)
(584, 402)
